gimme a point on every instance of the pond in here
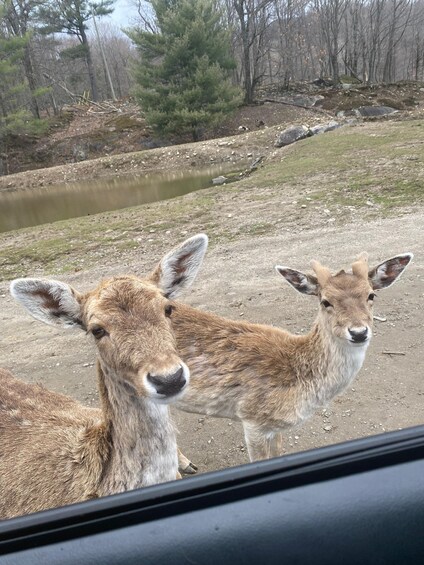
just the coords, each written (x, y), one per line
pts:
(35, 206)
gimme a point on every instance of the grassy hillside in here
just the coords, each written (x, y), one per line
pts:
(367, 171)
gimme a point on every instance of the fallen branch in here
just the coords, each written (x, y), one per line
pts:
(380, 318)
(72, 94)
(393, 352)
(276, 101)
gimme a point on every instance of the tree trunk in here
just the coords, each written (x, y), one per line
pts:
(90, 68)
(240, 7)
(29, 73)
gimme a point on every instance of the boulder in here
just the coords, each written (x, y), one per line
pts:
(291, 135)
(374, 111)
(219, 180)
(323, 128)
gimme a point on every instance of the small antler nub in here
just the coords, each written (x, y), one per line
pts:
(323, 273)
(360, 266)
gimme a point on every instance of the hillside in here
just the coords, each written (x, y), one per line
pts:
(83, 133)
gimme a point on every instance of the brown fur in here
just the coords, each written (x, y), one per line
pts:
(54, 451)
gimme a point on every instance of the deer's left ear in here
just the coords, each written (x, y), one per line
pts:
(178, 269)
(385, 274)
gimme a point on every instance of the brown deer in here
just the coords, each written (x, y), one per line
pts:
(55, 451)
(268, 378)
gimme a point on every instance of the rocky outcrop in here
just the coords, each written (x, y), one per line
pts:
(296, 133)
(374, 111)
(292, 134)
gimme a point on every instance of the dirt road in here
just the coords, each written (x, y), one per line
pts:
(238, 280)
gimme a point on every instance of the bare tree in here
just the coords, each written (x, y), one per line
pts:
(70, 17)
(415, 43)
(399, 20)
(353, 37)
(119, 52)
(330, 13)
(292, 38)
(253, 18)
(145, 15)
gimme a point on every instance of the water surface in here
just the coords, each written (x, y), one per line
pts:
(35, 206)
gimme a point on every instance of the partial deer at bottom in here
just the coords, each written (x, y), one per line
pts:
(269, 379)
(55, 451)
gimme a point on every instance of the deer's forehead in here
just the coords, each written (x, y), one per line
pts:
(123, 295)
(345, 286)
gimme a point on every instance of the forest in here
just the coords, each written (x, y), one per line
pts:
(189, 62)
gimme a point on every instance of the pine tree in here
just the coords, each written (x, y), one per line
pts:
(71, 17)
(14, 116)
(183, 77)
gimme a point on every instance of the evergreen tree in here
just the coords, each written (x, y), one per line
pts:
(183, 76)
(14, 115)
(71, 17)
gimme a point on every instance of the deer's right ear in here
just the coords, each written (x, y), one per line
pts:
(179, 267)
(51, 302)
(305, 284)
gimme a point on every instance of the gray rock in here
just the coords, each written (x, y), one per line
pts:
(374, 111)
(291, 135)
(323, 128)
(79, 153)
(219, 180)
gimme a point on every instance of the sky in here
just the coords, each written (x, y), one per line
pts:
(123, 13)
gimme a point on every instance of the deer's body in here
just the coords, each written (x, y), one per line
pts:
(270, 379)
(55, 451)
(79, 454)
(256, 372)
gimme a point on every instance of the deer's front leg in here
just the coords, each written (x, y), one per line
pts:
(185, 466)
(256, 442)
(276, 445)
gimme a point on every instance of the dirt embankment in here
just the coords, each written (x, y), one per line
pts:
(90, 142)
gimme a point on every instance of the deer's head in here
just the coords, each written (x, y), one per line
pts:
(128, 317)
(346, 299)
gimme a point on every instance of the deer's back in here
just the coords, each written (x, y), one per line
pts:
(45, 455)
(234, 366)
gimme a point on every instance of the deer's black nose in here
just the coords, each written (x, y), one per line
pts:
(358, 335)
(168, 385)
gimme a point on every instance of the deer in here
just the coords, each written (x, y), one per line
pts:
(55, 451)
(269, 379)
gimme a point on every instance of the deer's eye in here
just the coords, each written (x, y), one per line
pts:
(371, 296)
(98, 332)
(168, 310)
(326, 304)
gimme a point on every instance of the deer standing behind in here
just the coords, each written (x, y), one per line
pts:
(268, 378)
(55, 451)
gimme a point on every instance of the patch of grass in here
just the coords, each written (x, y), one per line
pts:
(123, 122)
(259, 228)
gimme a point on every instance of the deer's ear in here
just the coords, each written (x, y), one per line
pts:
(178, 268)
(51, 302)
(303, 283)
(385, 274)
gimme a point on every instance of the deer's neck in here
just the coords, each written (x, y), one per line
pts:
(337, 359)
(328, 365)
(142, 438)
